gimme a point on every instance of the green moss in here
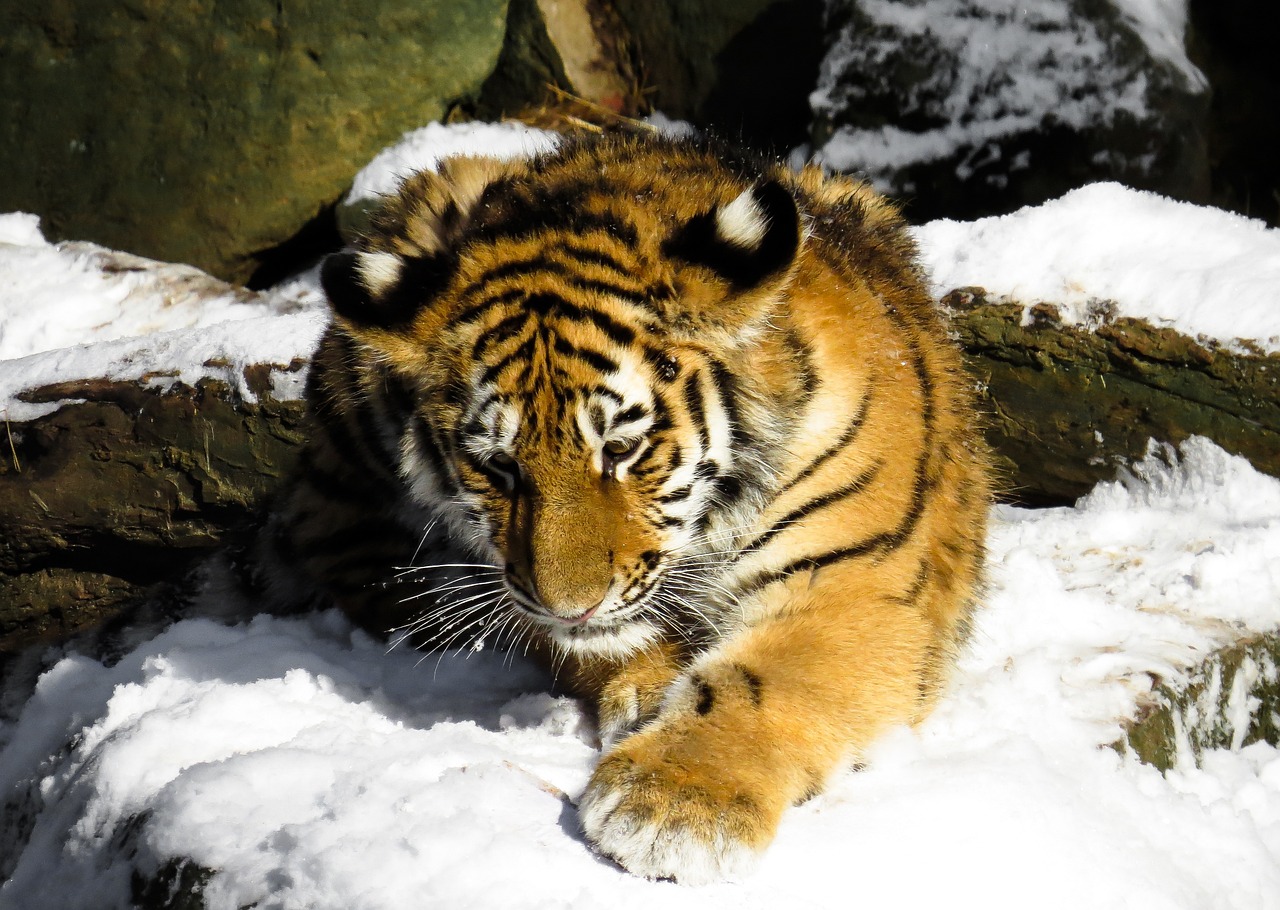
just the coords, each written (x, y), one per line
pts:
(1229, 701)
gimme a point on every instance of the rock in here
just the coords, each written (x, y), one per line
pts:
(972, 108)
(579, 47)
(1232, 41)
(1069, 404)
(741, 68)
(1230, 700)
(211, 134)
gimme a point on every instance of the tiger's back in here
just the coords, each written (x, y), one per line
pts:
(701, 420)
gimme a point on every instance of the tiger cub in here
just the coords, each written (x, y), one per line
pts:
(689, 421)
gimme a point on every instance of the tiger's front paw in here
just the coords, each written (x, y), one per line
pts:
(662, 816)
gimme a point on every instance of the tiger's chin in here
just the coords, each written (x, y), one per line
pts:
(615, 641)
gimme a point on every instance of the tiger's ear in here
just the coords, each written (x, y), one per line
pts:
(377, 289)
(746, 242)
(408, 256)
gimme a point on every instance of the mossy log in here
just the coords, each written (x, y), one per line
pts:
(127, 486)
(1068, 404)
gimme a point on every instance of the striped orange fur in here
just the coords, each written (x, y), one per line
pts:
(696, 424)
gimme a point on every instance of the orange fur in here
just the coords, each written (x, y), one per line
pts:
(780, 564)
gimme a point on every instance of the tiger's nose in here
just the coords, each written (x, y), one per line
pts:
(567, 610)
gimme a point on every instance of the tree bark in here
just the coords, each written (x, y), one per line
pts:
(1068, 404)
(123, 490)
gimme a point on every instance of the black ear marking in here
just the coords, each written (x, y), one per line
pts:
(745, 241)
(382, 290)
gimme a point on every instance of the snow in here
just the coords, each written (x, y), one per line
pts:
(308, 766)
(1202, 271)
(993, 70)
(422, 149)
(73, 311)
(312, 768)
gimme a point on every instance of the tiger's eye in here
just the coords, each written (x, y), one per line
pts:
(618, 449)
(506, 467)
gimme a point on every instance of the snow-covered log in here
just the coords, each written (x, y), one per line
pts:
(127, 483)
(1068, 404)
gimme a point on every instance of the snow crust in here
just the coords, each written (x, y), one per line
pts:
(312, 769)
(1205, 272)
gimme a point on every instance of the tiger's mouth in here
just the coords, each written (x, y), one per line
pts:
(607, 629)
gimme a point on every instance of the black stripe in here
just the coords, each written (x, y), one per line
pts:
(601, 391)
(853, 488)
(917, 588)
(615, 331)
(697, 409)
(554, 209)
(846, 437)
(476, 311)
(521, 353)
(675, 495)
(429, 445)
(595, 359)
(507, 328)
(802, 354)
(729, 489)
(630, 414)
(638, 469)
(726, 386)
(638, 297)
(595, 256)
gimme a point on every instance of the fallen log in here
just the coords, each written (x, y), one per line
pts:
(1068, 404)
(125, 486)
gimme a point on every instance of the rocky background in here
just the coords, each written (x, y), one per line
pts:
(226, 136)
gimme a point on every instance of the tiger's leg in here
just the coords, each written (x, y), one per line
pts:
(759, 723)
(626, 694)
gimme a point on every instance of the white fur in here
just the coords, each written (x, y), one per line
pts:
(657, 851)
(616, 643)
(379, 271)
(741, 222)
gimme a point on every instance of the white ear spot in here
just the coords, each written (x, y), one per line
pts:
(379, 271)
(742, 222)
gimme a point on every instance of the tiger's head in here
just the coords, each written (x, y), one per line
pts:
(570, 336)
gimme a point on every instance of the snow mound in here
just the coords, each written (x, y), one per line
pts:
(1202, 271)
(306, 767)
